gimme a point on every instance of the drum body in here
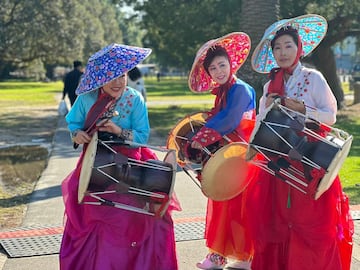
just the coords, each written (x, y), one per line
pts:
(106, 171)
(295, 153)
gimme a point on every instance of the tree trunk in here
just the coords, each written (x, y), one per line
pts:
(356, 92)
(256, 16)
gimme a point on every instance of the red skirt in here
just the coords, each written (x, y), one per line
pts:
(225, 231)
(292, 231)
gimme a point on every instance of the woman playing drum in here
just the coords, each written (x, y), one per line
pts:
(104, 237)
(233, 115)
(290, 230)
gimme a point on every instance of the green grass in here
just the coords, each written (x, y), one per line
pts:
(172, 88)
(164, 118)
(28, 93)
(350, 171)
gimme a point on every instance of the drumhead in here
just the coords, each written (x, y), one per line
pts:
(86, 167)
(334, 168)
(177, 139)
(224, 176)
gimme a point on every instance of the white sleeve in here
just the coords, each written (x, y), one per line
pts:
(262, 100)
(323, 107)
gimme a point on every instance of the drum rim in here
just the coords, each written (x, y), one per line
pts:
(89, 157)
(171, 140)
(334, 168)
(172, 187)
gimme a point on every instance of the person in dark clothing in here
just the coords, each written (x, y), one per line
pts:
(71, 82)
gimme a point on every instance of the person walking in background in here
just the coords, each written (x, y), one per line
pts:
(290, 229)
(71, 81)
(233, 115)
(136, 81)
(106, 237)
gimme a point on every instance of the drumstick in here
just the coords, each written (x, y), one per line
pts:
(192, 178)
(103, 121)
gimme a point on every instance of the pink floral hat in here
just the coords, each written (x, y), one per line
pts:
(237, 45)
(312, 29)
(108, 64)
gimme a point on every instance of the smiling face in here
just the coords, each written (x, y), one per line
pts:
(116, 87)
(285, 51)
(219, 69)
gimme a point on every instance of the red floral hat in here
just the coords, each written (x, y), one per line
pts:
(237, 45)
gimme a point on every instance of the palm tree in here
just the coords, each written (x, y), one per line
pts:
(256, 16)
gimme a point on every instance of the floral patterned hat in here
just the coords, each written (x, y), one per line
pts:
(311, 28)
(237, 45)
(108, 64)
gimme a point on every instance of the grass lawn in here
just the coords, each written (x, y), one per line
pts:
(28, 93)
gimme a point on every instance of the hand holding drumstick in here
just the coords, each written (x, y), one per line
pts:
(81, 136)
(292, 104)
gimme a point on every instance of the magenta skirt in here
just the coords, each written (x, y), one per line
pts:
(105, 237)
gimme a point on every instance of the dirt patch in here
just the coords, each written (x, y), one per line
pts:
(20, 167)
(23, 125)
(25, 135)
(351, 111)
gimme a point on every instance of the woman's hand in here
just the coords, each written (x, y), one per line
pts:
(196, 145)
(295, 105)
(81, 137)
(109, 126)
(270, 99)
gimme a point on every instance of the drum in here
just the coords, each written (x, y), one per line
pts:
(221, 167)
(224, 175)
(180, 136)
(290, 146)
(110, 178)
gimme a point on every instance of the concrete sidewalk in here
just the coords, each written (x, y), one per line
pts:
(44, 214)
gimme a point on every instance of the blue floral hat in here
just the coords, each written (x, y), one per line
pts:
(108, 64)
(311, 28)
